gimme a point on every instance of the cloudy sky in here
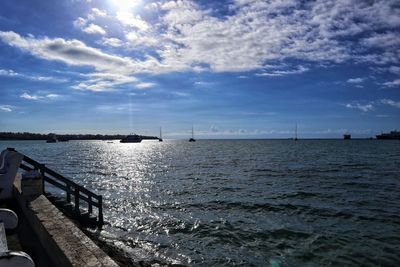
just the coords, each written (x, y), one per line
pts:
(233, 69)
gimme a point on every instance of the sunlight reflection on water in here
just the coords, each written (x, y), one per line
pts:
(214, 203)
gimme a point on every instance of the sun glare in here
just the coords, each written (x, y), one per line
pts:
(124, 5)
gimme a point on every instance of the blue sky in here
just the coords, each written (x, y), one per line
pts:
(233, 69)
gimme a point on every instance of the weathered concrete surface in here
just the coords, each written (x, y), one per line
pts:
(65, 244)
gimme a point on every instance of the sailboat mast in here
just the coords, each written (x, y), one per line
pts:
(192, 133)
(160, 134)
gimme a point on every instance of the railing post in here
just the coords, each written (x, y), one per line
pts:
(76, 196)
(90, 209)
(101, 220)
(68, 193)
(41, 169)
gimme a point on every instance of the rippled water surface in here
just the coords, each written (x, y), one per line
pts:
(241, 202)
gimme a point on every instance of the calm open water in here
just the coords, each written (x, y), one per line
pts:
(241, 202)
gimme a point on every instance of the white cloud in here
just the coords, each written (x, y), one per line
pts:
(40, 97)
(133, 21)
(394, 69)
(390, 102)
(12, 73)
(394, 83)
(273, 73)
(94, 29)
(9, 73)
(53, 96)
(183, 36)
(145, 85)
(383, 40)
(104, 81)
(99, 13)
(364, 108)
(137, 38)
(355, 80)
(114, 42)
(5, 108)
(72, 52)
(30, 97)
(80, 22)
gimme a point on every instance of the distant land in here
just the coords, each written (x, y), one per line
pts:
(37, 136)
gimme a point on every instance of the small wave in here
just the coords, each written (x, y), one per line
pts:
(301, 195)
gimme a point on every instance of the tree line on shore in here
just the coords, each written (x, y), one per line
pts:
(38, 136)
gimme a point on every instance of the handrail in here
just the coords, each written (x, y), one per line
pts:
(71, 188)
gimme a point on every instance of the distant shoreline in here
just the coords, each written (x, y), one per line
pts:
(26, 136)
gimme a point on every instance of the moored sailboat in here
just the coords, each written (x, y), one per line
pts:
(192, 138)
(160, 139)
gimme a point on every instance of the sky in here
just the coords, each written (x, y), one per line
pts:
(230, 69)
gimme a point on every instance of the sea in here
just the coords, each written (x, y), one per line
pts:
(240, 202)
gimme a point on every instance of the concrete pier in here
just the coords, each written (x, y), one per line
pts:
(61, 242)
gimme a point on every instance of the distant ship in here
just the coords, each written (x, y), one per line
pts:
(52, 139)
(347, 136)
(132, 138)
(393, 135)
(295, 138)
(192, 138)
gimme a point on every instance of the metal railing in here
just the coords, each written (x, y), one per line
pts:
(72, 189)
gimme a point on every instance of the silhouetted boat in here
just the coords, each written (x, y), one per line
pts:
(132, 138)
(192, 138)
(347, 136)
(295, 138)
(393, 135)
(52, 139)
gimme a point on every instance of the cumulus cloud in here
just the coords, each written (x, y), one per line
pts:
(94, 29)
(5, 108)
(364, 108)
(133, 21)
(183, 36)
(187, 37)
(391, 102)
(383, 40)
(33, 97)
(114, 42)
(97, 13)
(394, 83)
(9, 73)
(72, 52)
(30, 97)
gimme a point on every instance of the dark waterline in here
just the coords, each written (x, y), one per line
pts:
(241, 202)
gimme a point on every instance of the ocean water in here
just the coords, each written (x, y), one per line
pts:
(241, 202)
